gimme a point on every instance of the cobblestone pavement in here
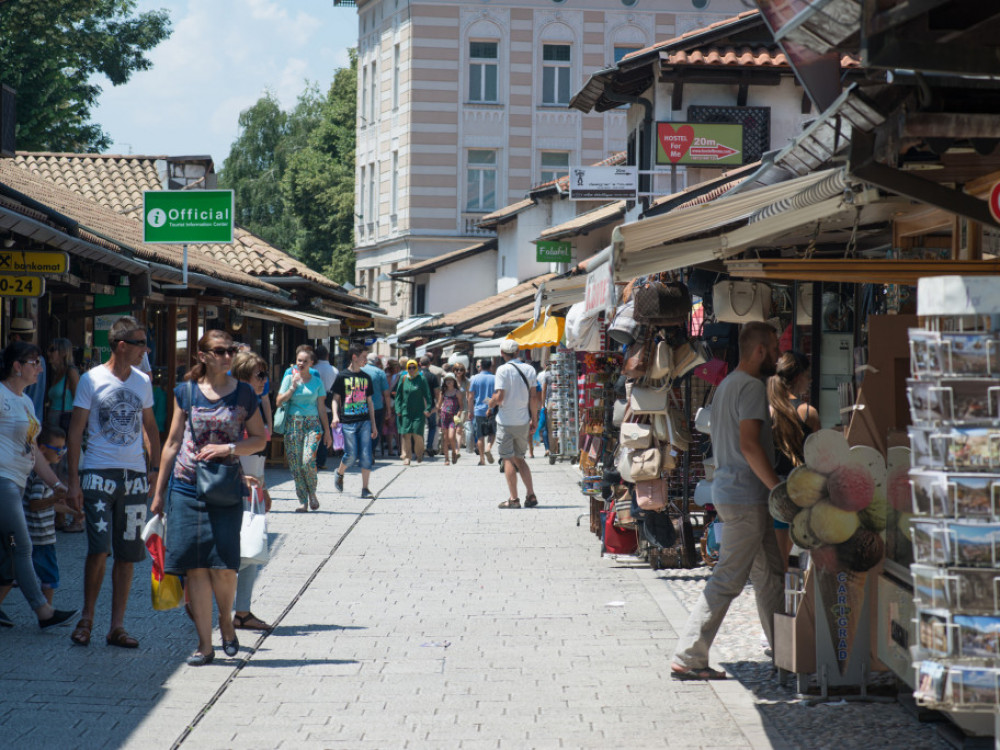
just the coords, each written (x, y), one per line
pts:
(427, 618)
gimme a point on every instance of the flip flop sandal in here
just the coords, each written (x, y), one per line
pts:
(118, 637)
(81, 633)
(530, 501)
(706, 673)
(250, 621)
(515, 503)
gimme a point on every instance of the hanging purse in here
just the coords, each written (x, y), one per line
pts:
(651, 494)
(635, 435)
(677, 427)
(624, 327)
(804, 305)
(644, 399)
(741, 301)
(618, 412)
(216, 483)
(688, 356)
(660, 431)
(618, 540)
(713, 371)
(637, 356)
(624, 465)
(645, 464)
(662, 301)
(661, 364)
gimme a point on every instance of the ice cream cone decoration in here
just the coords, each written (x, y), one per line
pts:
(842, 599)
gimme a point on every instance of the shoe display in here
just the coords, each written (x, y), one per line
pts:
(339, 482)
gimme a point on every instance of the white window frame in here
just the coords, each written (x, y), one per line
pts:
(395, 77)
(552, 172)
(478, 67)
(475, 173)
(364, 95)
(394, 194)
(374, 97)
(372, 192)
(361, 197)
(561, 74)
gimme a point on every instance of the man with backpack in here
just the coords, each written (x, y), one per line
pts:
(515, 400)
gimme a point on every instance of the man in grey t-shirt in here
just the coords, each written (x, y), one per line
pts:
(744, 454)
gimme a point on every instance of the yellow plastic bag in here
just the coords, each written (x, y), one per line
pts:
(167, 591)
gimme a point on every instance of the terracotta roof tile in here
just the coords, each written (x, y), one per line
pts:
(508, 299)
(583, 222)
(507, 212)
(738, 57)
(510, 318)
(673, 41)
(432, 264)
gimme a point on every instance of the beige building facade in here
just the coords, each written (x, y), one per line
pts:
(462, 108)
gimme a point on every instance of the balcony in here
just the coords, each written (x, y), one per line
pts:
(470, 226)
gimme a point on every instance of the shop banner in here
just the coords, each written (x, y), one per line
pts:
(699, 144)
(599, 296)
(599, 183)
(553, 252)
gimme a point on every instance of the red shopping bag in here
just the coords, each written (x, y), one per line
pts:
(167, 591)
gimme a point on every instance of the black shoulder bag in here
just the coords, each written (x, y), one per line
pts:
(216, 483)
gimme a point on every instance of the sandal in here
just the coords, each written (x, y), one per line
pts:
(515, 503)
(705, 673)
(249, 621)
(120, 638)
(81, 633)
(314, 504)
(302, 509)
(530, 501)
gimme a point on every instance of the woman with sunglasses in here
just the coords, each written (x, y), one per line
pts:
(250, 368)
(19, 456)
(64, 379)
(413, 403)
(212, 413)
(306, 422)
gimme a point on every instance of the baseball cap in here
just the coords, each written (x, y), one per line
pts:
(509, 346)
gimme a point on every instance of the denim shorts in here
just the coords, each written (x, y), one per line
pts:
(358, 444)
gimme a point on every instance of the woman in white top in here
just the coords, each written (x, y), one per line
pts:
(19, 456)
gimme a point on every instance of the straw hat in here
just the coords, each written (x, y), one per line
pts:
(22, 326)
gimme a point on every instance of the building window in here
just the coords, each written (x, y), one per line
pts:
(395, 77)
(361, 197)
(371, 192)
(419, 299)
(364, 92)
(481, 181)
(555, 164)
(620, 52)
(374, 101)
(483, 72)
(555, 74)
(394, 194)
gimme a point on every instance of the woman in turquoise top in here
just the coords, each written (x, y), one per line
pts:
(64, 377)
(303, 395)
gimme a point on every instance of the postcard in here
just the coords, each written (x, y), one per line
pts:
(930, 542)
(925, 352)
(972, 448)
(930, 587)
(973, 353)
(968, 401)
(930, 682)
(974, 544)
(973, 590)
(933, 632)
(973, 687)
(931, 496)
(978, 636)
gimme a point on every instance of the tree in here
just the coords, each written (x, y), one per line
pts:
(50, 51)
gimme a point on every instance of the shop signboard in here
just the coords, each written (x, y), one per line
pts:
(599, 295)
(994, 203)
(553, 252)
(603, 183)
(699, 144)
(180, 217)
(17, 285)
(33, 261)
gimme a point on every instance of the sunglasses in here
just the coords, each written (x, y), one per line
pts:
(56, 449)
(260, 375)
(139, 342)
(222, 351)
(411, 367)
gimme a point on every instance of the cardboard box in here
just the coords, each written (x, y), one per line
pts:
(795, 637)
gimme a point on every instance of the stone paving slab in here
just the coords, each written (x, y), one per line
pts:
(440, 621)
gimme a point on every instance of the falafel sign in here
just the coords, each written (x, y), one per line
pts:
(699, 144)
(180, 217)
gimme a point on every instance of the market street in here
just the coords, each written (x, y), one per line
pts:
(426, 618)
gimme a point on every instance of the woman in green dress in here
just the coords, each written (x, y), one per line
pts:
(413, 403)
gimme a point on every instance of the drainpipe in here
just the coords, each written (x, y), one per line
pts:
(646, 163)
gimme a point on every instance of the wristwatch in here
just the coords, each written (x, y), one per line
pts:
(232, 449)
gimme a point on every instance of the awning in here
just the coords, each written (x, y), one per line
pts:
(562, 292)
(316, 326)
(489, 348)
(547, 332)
(443, 342)
(409, 325)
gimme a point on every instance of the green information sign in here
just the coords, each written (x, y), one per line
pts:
(699, 144)
(180, 217)
(553, 252)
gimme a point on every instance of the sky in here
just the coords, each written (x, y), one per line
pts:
(222, 56)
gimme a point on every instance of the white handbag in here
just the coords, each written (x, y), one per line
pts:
(703, 420)
(253, 532)
(660, 430)
(804, 305)
(624, 465)
(647, 400)
(741, 301)
(661, 364)
(634, 435)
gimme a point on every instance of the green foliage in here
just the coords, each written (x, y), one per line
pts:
(50, 51)
(293, 174)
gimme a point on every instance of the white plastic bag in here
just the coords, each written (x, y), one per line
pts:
(253, 532)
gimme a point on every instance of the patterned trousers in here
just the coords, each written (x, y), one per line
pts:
(301, 439)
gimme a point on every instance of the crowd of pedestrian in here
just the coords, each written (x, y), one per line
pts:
(80, 451)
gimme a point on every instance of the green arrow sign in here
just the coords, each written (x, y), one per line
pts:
(180, 217)
(553, 252)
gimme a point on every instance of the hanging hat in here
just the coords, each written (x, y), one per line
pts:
(22, 326)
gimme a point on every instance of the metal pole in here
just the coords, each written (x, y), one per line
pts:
(184, 271)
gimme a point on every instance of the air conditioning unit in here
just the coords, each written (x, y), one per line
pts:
(8, 119)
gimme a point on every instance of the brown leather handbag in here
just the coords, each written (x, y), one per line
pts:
(638, 354)
(665, 302)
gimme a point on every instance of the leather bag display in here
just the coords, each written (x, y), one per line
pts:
(637, 357)
(624, 328)
(644, 399)
(617, 539)
(667, 302)
(660, 431)
(661, 364)
(636, 436)
(741, 301)
(688, 356)
(645, 464)
(651, 494)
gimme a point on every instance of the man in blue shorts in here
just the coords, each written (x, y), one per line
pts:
(480, 391)
(355, 411)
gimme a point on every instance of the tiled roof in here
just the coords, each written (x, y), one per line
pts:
(477, 312)
(584, 222)
(506, 213)
(688, 35)
(117, 182)
(760, 57)
(562, 184)
(119, 228)
(507, 319)
(432, 264)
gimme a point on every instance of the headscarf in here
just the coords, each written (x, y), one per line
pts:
(412, 375)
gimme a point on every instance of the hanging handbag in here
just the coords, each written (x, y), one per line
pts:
(678, 430)
(253, 532)
(645, 399)
(719, 335)
(636, 436)
(804, 305)
(741, 301)
(617, 540)
(662, 301)
(658, 531)
(644, 464)
(618, 412)
(661, 364)
(624, 465)
(624, 327)
(703, 420)
(713, 371)
(622, 505)
(637, 356)
(688, 356)
(216, 483)
(651, 494)
(278, 421)
(660, 431)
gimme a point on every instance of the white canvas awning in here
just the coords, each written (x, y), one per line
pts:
(489, 348)
(316, 326)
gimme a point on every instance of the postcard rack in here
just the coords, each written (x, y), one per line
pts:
(954, 396)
